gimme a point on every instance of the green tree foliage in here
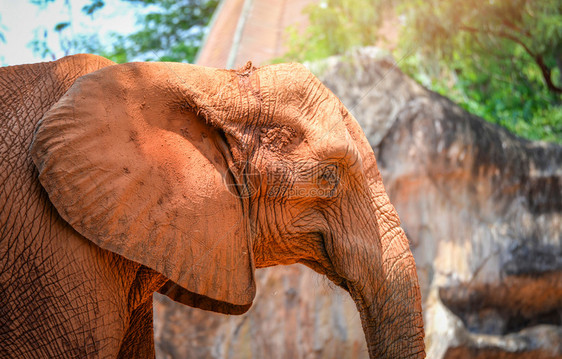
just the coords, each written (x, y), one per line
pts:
(169, 31)
(500, 59)
(335, 27)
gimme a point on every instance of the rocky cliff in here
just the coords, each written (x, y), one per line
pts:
(482, 210)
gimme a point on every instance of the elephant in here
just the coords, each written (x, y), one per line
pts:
(121, 180)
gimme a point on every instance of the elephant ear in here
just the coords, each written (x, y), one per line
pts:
(130, 162)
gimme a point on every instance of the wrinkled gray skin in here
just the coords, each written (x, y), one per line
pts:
(64, 296)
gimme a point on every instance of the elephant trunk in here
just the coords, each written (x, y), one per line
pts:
(386, 289)
(391, 309)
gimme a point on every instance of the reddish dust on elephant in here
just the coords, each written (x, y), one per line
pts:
(122, 180)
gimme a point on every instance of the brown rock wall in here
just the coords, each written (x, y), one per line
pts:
(297, 314)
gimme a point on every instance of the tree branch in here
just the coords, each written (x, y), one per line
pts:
(538, 58)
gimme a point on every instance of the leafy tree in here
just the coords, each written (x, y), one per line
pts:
(504, 58)
(170, 31)
(500, 59)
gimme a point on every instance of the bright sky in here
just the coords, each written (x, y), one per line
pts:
(19, 19)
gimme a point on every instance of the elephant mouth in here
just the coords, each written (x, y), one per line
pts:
(325, 265)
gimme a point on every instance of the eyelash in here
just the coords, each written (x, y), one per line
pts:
(329, 175)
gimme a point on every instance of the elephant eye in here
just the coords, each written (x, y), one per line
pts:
(329, 175)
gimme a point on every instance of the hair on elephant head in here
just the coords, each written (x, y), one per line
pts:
(204, 175)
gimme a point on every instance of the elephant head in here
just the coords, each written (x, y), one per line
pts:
(204, 175)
